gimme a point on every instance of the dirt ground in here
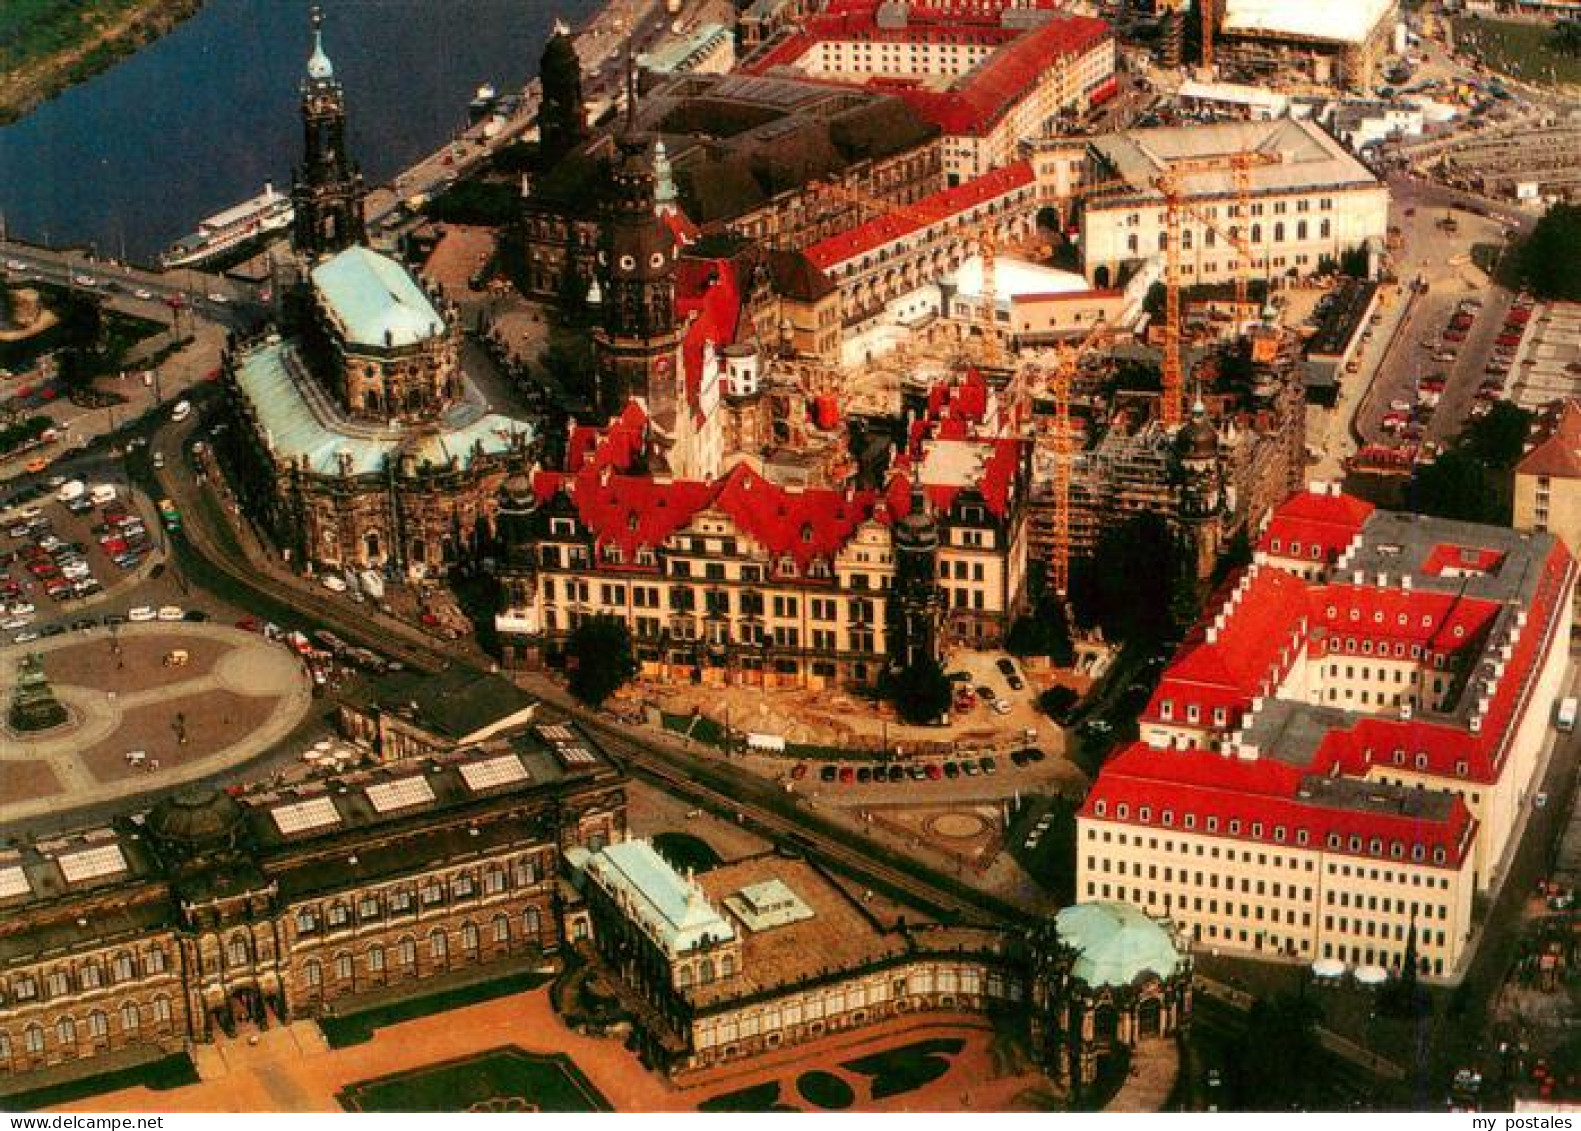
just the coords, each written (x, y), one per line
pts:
(213, 719)
(140, 665)
(20, 780)
(981, 1076)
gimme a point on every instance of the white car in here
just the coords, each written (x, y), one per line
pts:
(85, 280)
(15, 622)
(16, 265)
(333, 584)
(75, 571)
(141, 613)
(24, 637)
(22, 609)
(171, 612)
(1001, 707)
(216, 297)
(143, 293)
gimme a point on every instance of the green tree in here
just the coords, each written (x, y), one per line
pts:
(1353, 261)
(599, 658)
(1550, 259)
(1566, 37)
(921, 692)
(1456, 485)
(1128, 585)
(1274, 1066)
(1499, 438)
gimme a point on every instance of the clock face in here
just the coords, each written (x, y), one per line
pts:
(656, 260)
(628, 263)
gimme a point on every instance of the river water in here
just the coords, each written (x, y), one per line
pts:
(198, 120)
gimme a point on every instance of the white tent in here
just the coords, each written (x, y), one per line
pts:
(1371, 975)
(1328, 968)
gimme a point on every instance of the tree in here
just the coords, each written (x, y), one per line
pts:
(1274, 1069)
(1353, 261)
(599, 658)
(1566, 38)
(921, 692)
(1455, 485)
(1499, 438)
(1058, 702)
(1550, 259)
(1128, 585)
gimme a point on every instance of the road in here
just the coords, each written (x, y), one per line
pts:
(134, 290)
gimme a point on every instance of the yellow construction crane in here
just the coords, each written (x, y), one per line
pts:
(1068, 359)
(980, 233)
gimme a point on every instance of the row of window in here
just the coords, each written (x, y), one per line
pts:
(1133, 243)
(376, 959)
(430, 892)
(69, 1031)
(1235, 826)
(86, 975)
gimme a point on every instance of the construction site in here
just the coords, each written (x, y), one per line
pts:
(1523, 162)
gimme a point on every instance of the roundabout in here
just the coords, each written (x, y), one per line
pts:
(147, 706)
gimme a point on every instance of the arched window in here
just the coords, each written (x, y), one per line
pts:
(236, 951)
(98, 1025)
(33, 1038)
(1301, 229)
(1257, 233)
(438, 945)
(376, 959)
(406, 951)
(313, 971)
(373, 546)
(502, 928)
(66, 1033)
(131, 1018)
(1279, 231)
(532, 922)
(343, 967)
(469, 937)
(162, 1010)
(705, 971)
(683, 977)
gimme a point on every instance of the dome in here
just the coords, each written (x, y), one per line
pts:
(1116, 944)
(319, 68)
(195, 819)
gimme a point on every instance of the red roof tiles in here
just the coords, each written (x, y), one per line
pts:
(939, 208)
(1315, 518)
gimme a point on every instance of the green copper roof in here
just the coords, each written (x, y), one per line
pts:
(375, 300)
(1117, 943)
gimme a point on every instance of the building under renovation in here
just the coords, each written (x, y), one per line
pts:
(1335, 42)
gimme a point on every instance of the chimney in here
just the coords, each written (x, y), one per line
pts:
(1383, 580)
(1359, 577)
(1405, 582)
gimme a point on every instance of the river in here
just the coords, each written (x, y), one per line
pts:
(198, 120)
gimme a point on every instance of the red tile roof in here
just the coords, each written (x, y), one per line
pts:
(618, 445)
(1315, 518)
(1557, 451)
(708, 292)
(1447, 557)
(1261, 795)
(939, 208)
(983, 96)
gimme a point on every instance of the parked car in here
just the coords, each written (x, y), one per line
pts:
(141, 613)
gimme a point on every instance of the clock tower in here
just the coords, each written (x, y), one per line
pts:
(327, 188)
(637, 345)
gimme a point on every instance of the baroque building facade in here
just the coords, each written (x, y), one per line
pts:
(212, 914)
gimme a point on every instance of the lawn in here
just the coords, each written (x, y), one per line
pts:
(158, 1076)
(905, 1069)
(686, 852)
(1049, 861)
(759, 1097)
(501, 1080)
(826, 1090)
(1518, 49)
(355, 1028)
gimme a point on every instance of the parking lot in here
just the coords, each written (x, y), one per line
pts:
(1547, 365)
(64, 545)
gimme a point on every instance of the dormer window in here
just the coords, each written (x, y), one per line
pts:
(1438, 856)
(1421, 759)
(1192, 713)
(1275, 545)
(1301, 837)
(1213, 824)
(1417, 852)
(1191, 820)
(1235, 826)
(1279, 833)
(1122, 810)
(1145, 813)
(1101, 808)
(1166, 710)
(1315, 553)
(806, 533)
(1295, 549)
(1375, 846)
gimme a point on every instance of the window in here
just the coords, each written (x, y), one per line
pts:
(56, 984)
(406, 952)
(375, 959)
(120, 969)
(493, 881)
(130, 1018)
(502, 929)
(343, 967)
(66, 1032)
(462, 886)
(306, 922)
(91, 976)
(313, 971)
(438, 945)
(400, 901)
(469, 937)
(98, 1025)
(33, 1038)
(338, 915)
(531, 922)
(162, 1010)
(236, 952)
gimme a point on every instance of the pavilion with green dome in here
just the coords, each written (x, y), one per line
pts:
(1108, 976)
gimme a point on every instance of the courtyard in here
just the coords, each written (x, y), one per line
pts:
(514, 1054)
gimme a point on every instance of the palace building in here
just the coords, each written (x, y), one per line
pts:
(211, 914)
(1309, 200)
(738, 578)
(990, 76)
(1338, 758)
(361, 444)
(768, 952)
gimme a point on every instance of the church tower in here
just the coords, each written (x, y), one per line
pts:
(917, 608)
(326, 188)
(1202, 502)
(638, 344)
(562, 118)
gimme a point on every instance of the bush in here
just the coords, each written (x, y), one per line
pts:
(921, 692)
(1058, 703)
(599, 658)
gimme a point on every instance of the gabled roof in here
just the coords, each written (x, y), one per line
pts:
(1318, 516)
(1557, 452)
(707, 291)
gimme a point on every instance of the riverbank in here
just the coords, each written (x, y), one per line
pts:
(51, 45)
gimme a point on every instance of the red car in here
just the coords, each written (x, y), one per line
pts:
(247, 624)
(934, 771)
(847, 775)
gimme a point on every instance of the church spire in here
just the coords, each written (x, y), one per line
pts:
(319, 68)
